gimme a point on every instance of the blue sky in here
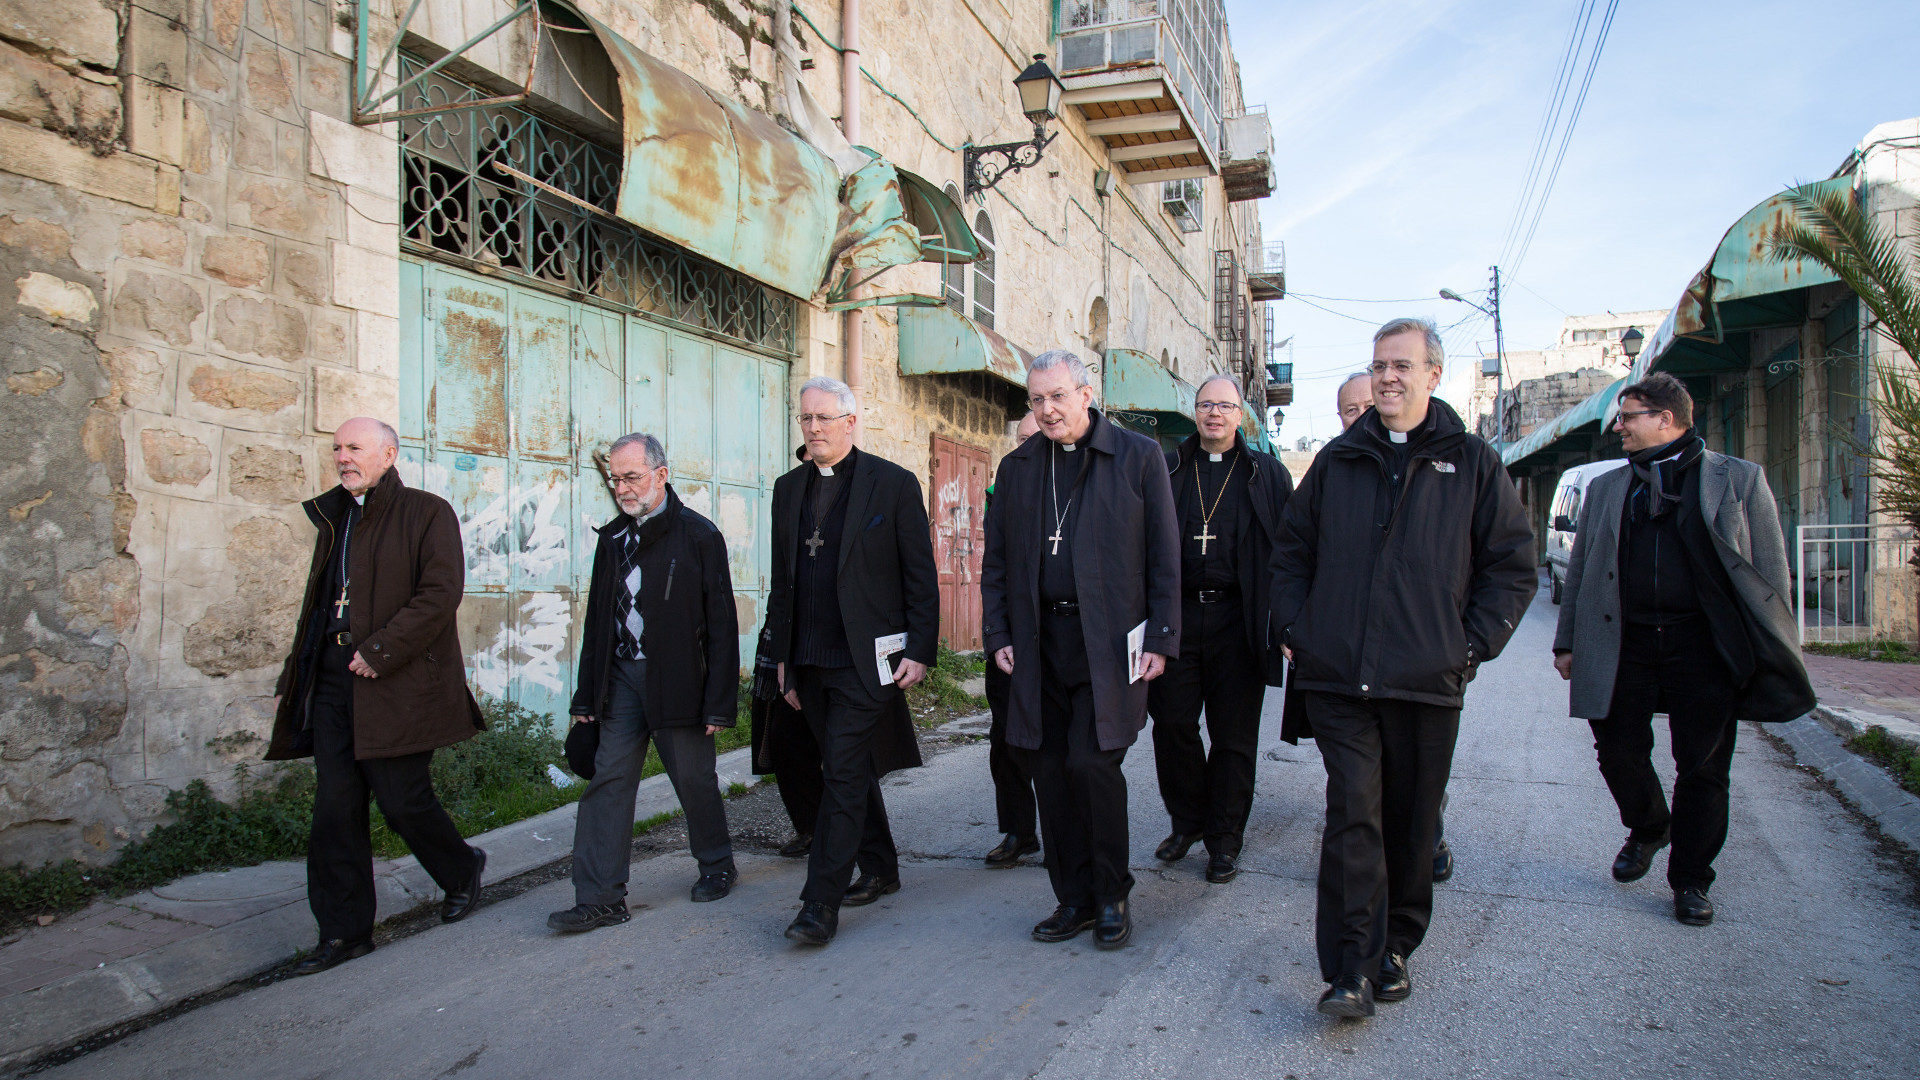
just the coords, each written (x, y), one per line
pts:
(1403, 130)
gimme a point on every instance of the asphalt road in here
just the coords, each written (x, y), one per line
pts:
(1538, 964)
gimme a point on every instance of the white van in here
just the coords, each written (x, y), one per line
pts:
(1563, 516)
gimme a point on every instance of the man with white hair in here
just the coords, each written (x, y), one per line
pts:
(1080, 591)
(853, 620)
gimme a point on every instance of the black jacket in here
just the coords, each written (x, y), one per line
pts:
(690, 636)
(1403, 601)
(1269, 487)
(887, 582)
(1126, 567)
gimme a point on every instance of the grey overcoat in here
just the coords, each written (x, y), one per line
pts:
(1739, 512)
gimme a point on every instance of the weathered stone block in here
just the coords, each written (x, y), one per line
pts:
(157, 121)
(253, 137)
(154, 238)
(157, 306)
(270, 475)
(373, 222)
(42, 240)
(354, 155)
(260, 327)
(326, 85)
(331, 339)
(207, 71)
(366, 280)
(283, 207)
(340, 395)
(56, 298)
(223, 23)
(173, 457)
(134, 375)
(236, 260)
(281, 22)
(85, 30)
(254, 628)
(103, 597)
(37, 92)
(171, 10)
(44, 155)
(35, 383)
(267, 82)
(227, 387)
(303, 273)
(156, 49)
(378, 345)
(198, 150)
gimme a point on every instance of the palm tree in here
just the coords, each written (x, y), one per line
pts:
(1829, 228)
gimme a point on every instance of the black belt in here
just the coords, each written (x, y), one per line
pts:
(1214, 596)
(1063, 607)
(343, 638)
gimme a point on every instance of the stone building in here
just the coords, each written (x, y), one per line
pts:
(1584, 357)
(519, 230)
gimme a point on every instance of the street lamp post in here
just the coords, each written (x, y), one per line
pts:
(1039, 91)
(1499, 349)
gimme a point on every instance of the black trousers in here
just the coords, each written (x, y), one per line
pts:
(852, 826)
(1208, 789)
(1387, 765)
(340, 847)
(1673, 670)
(1081, 792)
(1012, 787)
(795, 760)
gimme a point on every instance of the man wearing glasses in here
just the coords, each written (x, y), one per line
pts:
(1229, 497)
(853, 618)
(1404, 562)
(1676, 602)
(1080, 598)
(659, 661)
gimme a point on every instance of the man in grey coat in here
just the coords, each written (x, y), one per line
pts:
(1676, 602)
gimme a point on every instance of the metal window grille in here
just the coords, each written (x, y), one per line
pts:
(953, 275)
(983, 271)
(1226, 290)
(460, 202)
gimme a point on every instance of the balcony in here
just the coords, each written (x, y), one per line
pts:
(1146, 77)
(1247, 162)
(1279, 384)
(1267, 271)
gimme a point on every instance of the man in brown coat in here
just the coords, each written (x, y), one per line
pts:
(374, 685)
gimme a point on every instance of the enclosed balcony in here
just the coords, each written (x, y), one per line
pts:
(1246, 166)
(1279, 384)
(1267, 271)
(1146, 76)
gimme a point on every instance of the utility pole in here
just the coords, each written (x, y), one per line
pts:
(1499, 358)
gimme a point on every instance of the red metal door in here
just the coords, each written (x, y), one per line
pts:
(959, 538)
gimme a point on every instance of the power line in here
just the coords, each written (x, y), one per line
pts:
(1566, 138)
(1330, 311)
(1361, 300)
(1549, 120)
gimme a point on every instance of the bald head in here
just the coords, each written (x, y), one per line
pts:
(363, 450)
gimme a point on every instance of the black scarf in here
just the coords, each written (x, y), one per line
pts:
(1657, 470)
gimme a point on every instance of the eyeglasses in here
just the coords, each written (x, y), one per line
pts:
(1400, 367)
(1057, 399)
(1625, 415)
(807, 419)
(631, 480)
(1216, 406)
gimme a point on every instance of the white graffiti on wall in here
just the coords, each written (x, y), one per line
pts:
(521, 527)
(529, 651)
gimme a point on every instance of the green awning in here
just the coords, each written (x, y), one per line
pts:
(1135, 383)
(941, 341)
(1580, 423)
(944, 235)
(1253, 427)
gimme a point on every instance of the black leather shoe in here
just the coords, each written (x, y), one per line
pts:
(1113, 927)
(581, 918)
(1350, 996)
(1222, 868)
(1174, 848)
(1065, 924)
(1010, 849)
(459, 903)
(799, 847)
(815, 925)
(1691, 906)
(331, 953)
(868, 889)
(713, 886)
(1636, 858)
(1395, 983)
(1442, 867)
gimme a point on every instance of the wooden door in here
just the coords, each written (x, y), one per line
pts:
(959, 538)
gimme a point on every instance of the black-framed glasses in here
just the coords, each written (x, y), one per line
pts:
(1627, 414)
(1216, 406)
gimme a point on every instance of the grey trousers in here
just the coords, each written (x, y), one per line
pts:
(603, 827)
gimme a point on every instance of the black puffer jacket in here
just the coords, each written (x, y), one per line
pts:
(691, 634)
(1401, 600)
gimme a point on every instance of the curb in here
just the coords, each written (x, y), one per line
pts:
(80, 1006)
(1867, 786)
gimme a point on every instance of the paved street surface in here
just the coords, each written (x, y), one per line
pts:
(1538, 964)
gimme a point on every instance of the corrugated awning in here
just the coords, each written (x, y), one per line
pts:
(941, 341)
(1593, 413)
(1740, 288)
(944, 234)
(720, 179)
(1253, 427)
(1135, 382)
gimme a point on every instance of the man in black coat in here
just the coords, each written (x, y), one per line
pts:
(1082, 554)
(854, 618)
(1229, 498)
(1015, 810)
(1404, 561)
(659, 661)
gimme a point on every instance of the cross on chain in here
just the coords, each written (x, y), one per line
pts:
(1056, 539)
(340, 605)
(1204, 535)
(813, 543)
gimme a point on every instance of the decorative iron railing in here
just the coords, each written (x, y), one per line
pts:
(512, 191)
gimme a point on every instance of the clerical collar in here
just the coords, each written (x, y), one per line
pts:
(1068, 447)
(825, 470)
(642, 519)
(1211, 456)
(360, 498)
(1396, 436)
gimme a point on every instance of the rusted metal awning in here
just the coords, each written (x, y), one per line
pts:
(1582, 423)
(1740, 288)
(893, 218)
(940, 340)
(1253, 427)
(1136, 383)
(718, 178)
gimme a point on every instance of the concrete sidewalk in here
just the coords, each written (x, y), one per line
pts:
(1854, 696)
(132, 956)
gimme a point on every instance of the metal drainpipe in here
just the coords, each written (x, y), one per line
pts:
(854, 322)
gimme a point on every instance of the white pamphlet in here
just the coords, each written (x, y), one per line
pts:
(884, 647)
(1137, 652)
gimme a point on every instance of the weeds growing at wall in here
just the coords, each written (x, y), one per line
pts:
(1896, 652)
(940, 697)
(1893, 755)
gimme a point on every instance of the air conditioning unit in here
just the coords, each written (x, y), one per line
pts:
(1184, 201)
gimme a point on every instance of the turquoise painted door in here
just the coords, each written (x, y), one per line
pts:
(507, 393)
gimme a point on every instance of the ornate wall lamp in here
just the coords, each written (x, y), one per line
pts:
(1040, 99)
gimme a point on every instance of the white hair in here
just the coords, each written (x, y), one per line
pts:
(1350, 378)
(842, 393)
(656, 454)
(1054, 358)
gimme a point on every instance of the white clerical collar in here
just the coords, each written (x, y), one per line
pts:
(1211, 456)
(1396, 436)
(361, 498)
(1068, 447)
(825, 470)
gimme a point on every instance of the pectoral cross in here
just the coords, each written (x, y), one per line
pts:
(1203, 536)
(813, 543)
(340, 605)
(1057, 530)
